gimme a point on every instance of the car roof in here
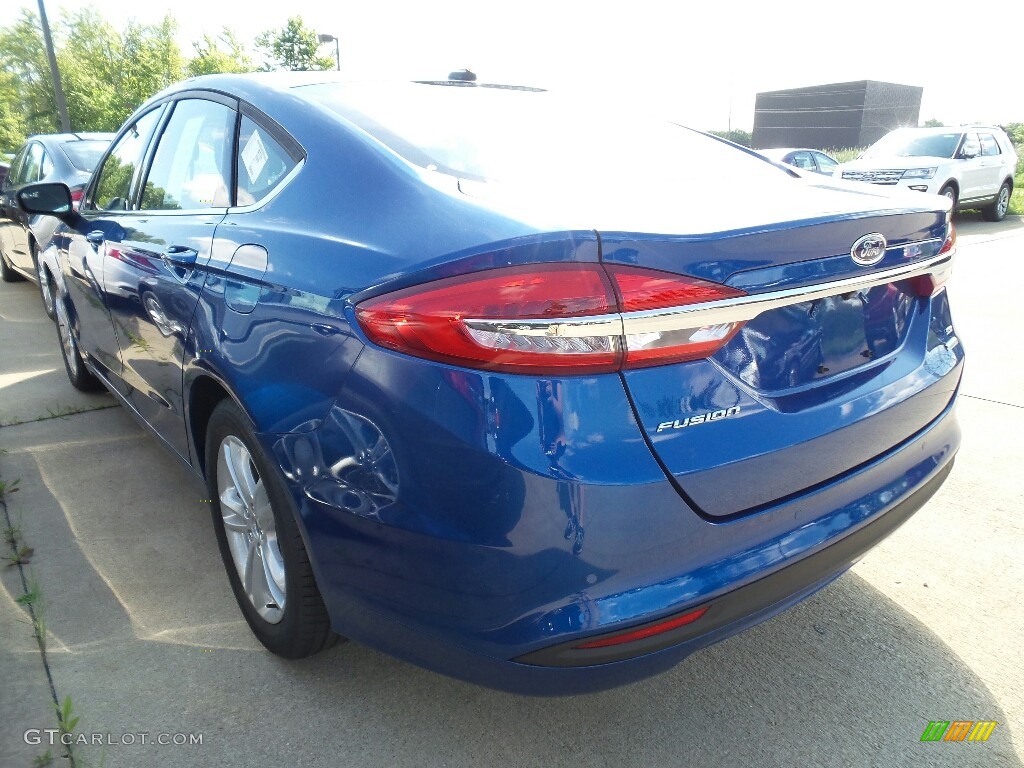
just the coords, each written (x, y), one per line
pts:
(780, 151)
(81, 136)
(947, 128)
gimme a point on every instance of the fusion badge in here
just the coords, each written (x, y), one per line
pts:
(703, 418)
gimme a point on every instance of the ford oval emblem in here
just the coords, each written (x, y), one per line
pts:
(868, 249)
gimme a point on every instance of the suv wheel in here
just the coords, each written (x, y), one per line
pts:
(949, 191)
(997, 211)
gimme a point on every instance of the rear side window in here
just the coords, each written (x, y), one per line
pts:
(262, 162)
(113, 189)
(192, 163)
(988, 144)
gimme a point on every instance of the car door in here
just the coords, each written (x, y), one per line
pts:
(8, 203)
(105, 215)
(972, 173)
(154, 269)
(991, 174)
(16, 221)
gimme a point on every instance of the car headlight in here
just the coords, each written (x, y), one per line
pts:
(919, 173)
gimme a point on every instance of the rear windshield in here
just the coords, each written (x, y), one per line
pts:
(503, 134)
(84, 154)
(903, 144)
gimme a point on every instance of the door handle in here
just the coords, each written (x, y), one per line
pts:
(181, 256)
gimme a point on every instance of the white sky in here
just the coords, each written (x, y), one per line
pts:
(701, 65)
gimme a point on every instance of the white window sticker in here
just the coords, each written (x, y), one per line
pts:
(254, 156)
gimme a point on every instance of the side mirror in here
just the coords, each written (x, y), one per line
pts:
(49, 199)
(971, 149)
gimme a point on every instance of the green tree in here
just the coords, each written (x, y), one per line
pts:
(933, 123)
(150, 59)
(294, 47)
(90, 61)
(224, 53)
(1016, 133)
(106, 73)
(27, 103)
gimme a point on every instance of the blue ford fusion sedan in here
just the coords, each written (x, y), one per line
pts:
(507, 385)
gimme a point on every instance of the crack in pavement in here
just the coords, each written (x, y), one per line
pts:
(38, 630)
(50, 416)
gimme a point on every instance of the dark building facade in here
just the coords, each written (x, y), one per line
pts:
(837, 115)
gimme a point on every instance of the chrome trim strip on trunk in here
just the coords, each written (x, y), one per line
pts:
(719, 312)
(744, 308)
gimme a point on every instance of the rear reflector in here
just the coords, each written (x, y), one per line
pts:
(76, 196)
(644, 632)
(545, 318)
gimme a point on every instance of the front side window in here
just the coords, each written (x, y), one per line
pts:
(971, 146)
(825, 163)
(192, 164)
(113, 188)
(262, 162)
(802, 160)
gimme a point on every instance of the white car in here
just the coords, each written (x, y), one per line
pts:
(972, 165)
(804, 159)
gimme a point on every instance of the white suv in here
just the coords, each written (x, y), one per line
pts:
(973, 165)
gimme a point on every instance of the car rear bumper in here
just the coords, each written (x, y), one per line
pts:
(509, 616)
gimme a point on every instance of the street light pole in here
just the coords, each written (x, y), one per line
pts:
(337, 50)
(58, 90)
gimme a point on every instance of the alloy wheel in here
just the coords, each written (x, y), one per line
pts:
(251, 530)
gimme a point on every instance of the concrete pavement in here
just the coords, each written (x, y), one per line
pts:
(143, 633)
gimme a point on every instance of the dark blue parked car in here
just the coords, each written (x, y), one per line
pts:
(494, 380)
(51, 157)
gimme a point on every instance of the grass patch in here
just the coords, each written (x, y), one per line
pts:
(844, 154)
(1017, 198)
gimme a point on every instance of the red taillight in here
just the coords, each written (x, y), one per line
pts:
(645, 632)
(430, 320)
(542, 318)
(76, 196)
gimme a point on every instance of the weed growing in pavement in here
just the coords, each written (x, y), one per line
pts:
(41, 761)
(34, 601)
(22, 555)
(9, 488)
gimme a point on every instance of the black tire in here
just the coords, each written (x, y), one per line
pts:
(301, 627)
(7, 273)
(79, 375)
(950, 191)
(997, 211)
(43, 280)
